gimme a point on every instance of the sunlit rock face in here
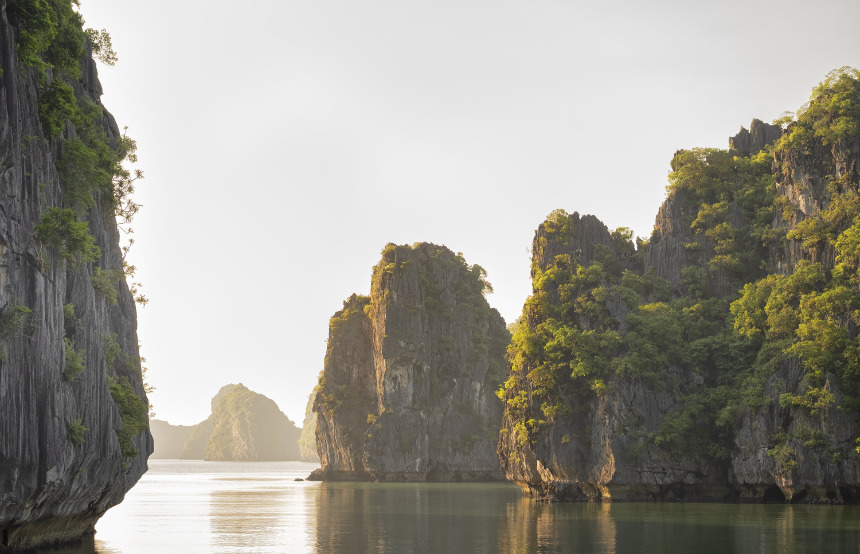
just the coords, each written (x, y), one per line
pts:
(407, 392)
(602, 403)
(308, 438)
(568, 443)
(816, 458)
(62, 464)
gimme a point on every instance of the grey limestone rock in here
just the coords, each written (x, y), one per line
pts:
(53, 487)
(408, 388)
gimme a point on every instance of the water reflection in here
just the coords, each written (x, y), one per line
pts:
(400, 517)
(219, 507)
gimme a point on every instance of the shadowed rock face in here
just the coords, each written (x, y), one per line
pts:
(55, 482)
(407, 392)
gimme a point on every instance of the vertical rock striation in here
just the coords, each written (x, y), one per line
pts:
(73, 435)
(407, 392)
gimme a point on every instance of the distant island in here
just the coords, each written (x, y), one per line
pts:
(244, 426)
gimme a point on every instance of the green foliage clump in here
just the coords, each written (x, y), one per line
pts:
(60, 228)
(71, 323)
(75, 431)
(132, 411)
(118, 360)
(810, 313)
(83, 173)
(12, 317)
(49, 34)
(735, 198)
(102, 46)
(832, 113)
(353, 308)
(75, 364)
(104, 282)
(56, 105)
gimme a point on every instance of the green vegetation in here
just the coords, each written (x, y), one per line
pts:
(71, 323)
(118, 360)
(132, 411)
(76, 432)
(60, 228)
(50, 35)
(832, 113)
(104, 282)
(75, 364)
(12, 317)
(353, 310)
(102, 46)
(732, 320)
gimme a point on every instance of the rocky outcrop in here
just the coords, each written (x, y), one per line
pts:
(675, 244)
(243, 426)
(815, 461)
(749, 143)
(407, 392)
(308, 438)
(713, 371)
(783, 451)
(73, 437)
(594, 447)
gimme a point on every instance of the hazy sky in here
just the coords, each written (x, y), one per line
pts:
(285, 143)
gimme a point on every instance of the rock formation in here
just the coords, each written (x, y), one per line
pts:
(169, 439)
(407, 392)
(73, 411)
(308, 438)
(244, 426)
(716, 361)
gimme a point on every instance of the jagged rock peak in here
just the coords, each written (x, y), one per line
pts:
(759, 136)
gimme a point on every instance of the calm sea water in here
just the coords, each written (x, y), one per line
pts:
(199, 507)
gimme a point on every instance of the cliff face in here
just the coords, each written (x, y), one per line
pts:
(559, 440)
(244, 426)
(717, 361)
(308, 438)
(407, 390)
(73, 435)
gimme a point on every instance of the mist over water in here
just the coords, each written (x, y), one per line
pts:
(191, 506)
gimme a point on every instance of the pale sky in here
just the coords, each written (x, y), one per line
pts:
(285, 143)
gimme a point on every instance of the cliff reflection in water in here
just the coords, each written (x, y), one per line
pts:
(200, 507)
(407, 517)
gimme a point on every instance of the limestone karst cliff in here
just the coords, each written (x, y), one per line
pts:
(73, 410)
(716, 361)
(407, 392)
(243, 426)
(308, 438)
